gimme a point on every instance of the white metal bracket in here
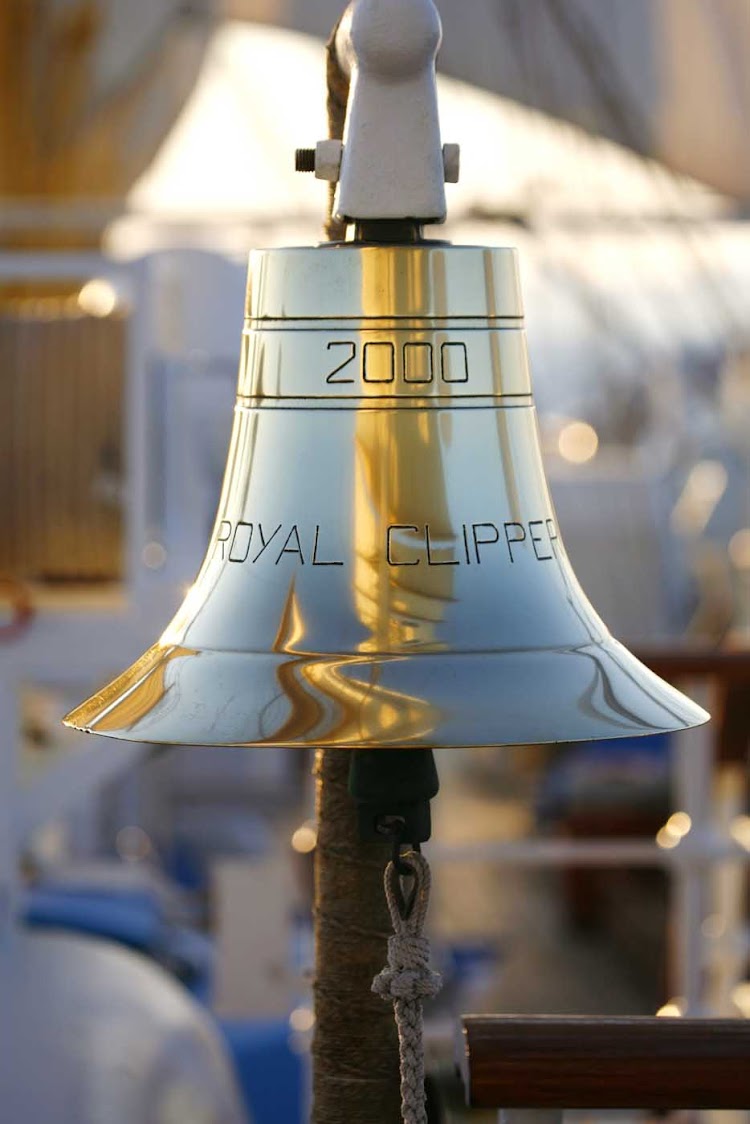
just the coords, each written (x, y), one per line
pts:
(391, 164)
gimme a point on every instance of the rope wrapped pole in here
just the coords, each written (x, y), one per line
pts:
(337, 81)
(355, 1052)
(355, 1047)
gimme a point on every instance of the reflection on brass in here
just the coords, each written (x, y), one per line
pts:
(385, 568)
(140, 691)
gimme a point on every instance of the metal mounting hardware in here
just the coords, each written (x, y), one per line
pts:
(324, 160)
(392, 164)
(451, 162)
(304, 160)
(393, 790)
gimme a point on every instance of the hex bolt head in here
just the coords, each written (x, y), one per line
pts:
(451, 162)
(328, 155)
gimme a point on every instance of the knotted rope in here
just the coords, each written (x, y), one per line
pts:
(408, 979)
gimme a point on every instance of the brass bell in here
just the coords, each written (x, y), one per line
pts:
(385, 568)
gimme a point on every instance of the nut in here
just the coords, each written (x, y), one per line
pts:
(328, 160)
(451, 162)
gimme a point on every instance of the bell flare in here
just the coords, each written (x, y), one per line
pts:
(433, 700)
(385, 567)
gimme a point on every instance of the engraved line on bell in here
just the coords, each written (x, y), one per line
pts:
(400, 546)
(233, 541)
(446, 363)
(404, 544)
(384, 403)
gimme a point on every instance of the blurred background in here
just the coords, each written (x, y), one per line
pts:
(155, 933)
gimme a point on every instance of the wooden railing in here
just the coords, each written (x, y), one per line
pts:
(606, 1063)
(728, 671)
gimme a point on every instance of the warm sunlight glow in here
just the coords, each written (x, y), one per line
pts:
(578, 442)
(741, 997)
(665, 839)
(739, 829)
(671, 1010)
(304, 839)
(679, 824)
(302, 1019)
(739, 549)
(97, 298)
(704, 487)
(676, 827)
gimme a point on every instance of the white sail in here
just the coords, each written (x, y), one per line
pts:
(668, 78)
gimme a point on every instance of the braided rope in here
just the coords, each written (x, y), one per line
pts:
(408, 979)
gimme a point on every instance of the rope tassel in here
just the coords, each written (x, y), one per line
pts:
(408, 979)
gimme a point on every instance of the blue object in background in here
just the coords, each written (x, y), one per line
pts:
(622, 772)
(134, 918)
(270, 1072)
(472, 963)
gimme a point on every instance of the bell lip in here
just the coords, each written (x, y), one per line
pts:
(422, 724)
(350, 746)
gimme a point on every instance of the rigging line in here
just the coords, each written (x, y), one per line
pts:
(184, 19)
(609, 318)
(601, 67)
(733, 321)
(511, 16)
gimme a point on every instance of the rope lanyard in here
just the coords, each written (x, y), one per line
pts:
(408, 979)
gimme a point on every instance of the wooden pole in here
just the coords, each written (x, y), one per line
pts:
(355, 1047)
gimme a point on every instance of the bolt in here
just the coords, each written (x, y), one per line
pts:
(328, 155)
(451, 162)
(304, 160)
